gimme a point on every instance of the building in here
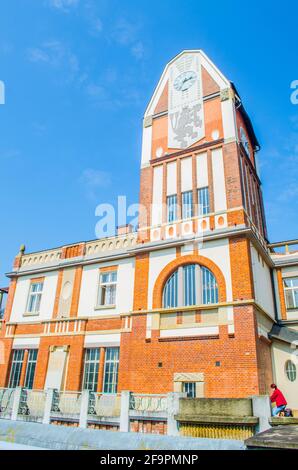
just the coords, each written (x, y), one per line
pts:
(3, 295)
(196, 300)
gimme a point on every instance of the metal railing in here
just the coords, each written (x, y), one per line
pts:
(148, 403)
(6, 402)
(32, 404)
(66, 405)
(104, 405)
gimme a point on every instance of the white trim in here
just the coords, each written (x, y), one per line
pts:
(105, 340)
(201, 331)
(26, 343)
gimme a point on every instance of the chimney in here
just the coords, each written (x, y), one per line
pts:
(124, 229)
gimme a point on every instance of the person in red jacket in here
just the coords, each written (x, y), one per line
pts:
(279, 400)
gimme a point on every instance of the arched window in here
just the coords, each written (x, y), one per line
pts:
(191, 284)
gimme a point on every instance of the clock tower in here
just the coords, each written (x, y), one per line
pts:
(196, 112)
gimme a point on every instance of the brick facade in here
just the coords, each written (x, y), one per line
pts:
(225, 347)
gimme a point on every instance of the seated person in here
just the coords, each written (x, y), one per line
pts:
(279, 400)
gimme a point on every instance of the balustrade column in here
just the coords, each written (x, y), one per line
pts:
(101, 370)
(124, 412)
(24, 368)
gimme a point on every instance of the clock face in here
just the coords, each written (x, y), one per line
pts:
(185, 80)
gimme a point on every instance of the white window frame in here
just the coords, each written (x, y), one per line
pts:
(99, 303)
(172, 208)
(37, 294)
(111, 371)
(203, 290)
(95, 374)
(187, 204)
(202, 207)
(186, 386)
(291, 289)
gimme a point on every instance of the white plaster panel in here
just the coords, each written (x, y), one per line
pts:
(28, 343)
(124, 292)
(202, 170)
(218, 252)
(219, 187)
(146, 145)
(228, 119)
(47, 298)
(157, 261)
(290, 271)
(157, 195)
(171, 178)
(201, 331)
(186, 174)
(108, 340)
(282, 352)
(262, 283)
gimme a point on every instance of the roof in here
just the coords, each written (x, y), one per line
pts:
(247, 120)
(283, 333)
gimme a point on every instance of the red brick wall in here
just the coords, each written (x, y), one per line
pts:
(147, 426)
(237, 375)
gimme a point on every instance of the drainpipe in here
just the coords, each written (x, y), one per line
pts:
(274, 296)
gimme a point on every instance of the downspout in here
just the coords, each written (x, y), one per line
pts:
(274, 296)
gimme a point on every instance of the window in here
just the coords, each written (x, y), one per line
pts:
(16, 368)
(203, 201)
(187, 208)
(190, 285)
(291, 292)
(111, 370)
(172, 208)
(170, 293)
(209, 287)
(91, 367)
(34, 298)
(291, 371)
(107, 288)
(30, 371)
(190, 389)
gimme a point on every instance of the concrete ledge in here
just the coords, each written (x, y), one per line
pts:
(241, 420)
(67, 438)
(278, 437)
(281, 421)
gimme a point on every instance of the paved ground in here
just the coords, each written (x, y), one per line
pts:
(14, 446)
(278, 437)
(67, 438)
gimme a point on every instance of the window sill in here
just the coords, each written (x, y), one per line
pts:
(104, 307)
(30, 314)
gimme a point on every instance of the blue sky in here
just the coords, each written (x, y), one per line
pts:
(78, 76)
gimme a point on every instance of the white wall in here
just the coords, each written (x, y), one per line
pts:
(146, 145)
(47, 299)
(219, 186)
(228, 119)
(218, 251)
(186, 174)
(282, 352)
(262, 283)
(171, 178)
(202, 170)
(157, 261)
(156, 215)
(124, 293)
